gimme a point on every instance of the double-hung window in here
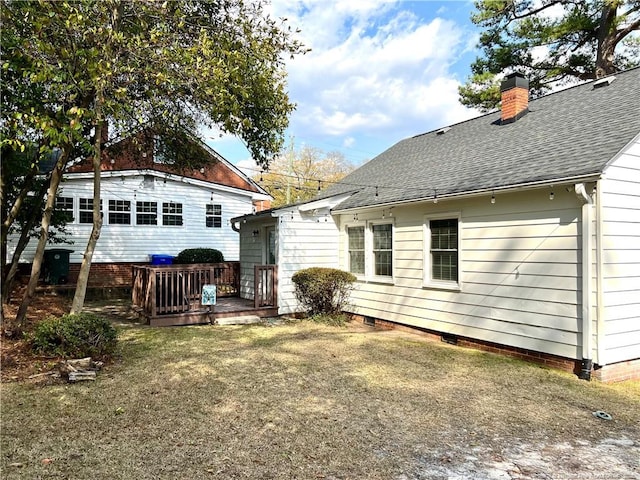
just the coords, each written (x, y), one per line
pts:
(382, 236)
(356, 249)
(65, 206)
(370, 250)
(146, 213)
(213, 217)
(119, 212)
(85, 210)
(442, 267)
(172, 214)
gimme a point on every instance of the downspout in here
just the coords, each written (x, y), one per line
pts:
(600, 350)
(587, 262)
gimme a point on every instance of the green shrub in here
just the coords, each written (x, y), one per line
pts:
(75, 336)
(199, 255)
(323, 290)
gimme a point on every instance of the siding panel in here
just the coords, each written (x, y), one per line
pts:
(134, 243)
(620, 192)
(520, 271)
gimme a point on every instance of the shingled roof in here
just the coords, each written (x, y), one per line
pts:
(567, 135)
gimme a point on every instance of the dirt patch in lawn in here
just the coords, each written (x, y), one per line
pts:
(302, 400)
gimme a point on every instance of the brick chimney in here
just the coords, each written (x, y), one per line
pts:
(515, 97)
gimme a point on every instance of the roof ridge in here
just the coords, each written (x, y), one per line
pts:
(554, 92)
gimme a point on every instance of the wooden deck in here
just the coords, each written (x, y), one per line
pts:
(226, 307)
(171, 295)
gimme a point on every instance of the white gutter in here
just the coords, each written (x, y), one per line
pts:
(587, 267)
(170, 176)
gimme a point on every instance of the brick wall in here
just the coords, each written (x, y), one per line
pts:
(101, 274)
(104, 274)
(616, 372)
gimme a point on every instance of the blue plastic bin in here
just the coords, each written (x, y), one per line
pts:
(158, 259)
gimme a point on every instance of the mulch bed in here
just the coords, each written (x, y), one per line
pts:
(18, 362)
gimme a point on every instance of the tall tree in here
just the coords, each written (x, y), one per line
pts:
(73, 66)
(296, 176)
(552, 41)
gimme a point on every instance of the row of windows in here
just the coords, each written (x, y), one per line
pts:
(146, 213)
(375, 242)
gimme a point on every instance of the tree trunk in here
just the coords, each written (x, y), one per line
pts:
(36, 267)
(85, 267)
(7, 282)
(7, 222)
(606, 41)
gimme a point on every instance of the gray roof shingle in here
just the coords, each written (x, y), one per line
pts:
(567, 134)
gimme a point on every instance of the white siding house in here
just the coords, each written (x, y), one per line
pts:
(618, 284)
(518, 270)
(517, 231)
(148, 208)
(293, 238)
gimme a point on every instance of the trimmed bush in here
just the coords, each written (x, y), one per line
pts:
(323, 290)
(75, 336)
(199, 255)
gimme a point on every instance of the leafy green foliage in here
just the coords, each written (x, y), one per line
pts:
(199, 255)
(551, 42)
(70, 67)
(75, 336)
(180, 63)
(323, 290)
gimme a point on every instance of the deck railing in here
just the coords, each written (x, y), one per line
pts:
(265, 286)
(177, 289)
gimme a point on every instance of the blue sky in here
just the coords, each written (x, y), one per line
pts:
(379, 71)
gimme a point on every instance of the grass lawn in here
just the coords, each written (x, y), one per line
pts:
(309, 401)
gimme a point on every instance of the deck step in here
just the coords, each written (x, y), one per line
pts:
(239, 320)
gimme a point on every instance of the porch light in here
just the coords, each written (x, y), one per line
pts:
(493, 198)
(255, 233)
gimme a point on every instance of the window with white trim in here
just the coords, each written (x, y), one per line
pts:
(382, 235)
(146, 213)
(442, 253)
(119, 212)
(85, 210)
(213, 217)
(355, 237)
(64, 205)
(369, 250)
(172, 214)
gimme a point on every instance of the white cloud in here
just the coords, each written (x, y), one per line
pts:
(348, 142)
(378, 71)
(373, 66)
(248, 167)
